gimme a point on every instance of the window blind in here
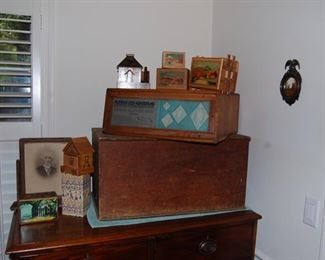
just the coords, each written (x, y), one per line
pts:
(15, 68)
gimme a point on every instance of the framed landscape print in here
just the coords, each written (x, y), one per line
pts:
(206, 72)
(172, 59)
(172, 78)
(39, 166)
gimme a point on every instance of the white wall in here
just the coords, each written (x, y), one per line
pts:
(82, 42)
(287, 145)
(92, 37)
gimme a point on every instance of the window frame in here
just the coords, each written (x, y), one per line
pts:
(42, 12)
(12, 131)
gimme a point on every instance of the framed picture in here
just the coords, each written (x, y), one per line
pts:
(172, 78)
(39, 167)
(172, 59)
(206, 72)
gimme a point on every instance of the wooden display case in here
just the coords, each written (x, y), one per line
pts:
(203, 116)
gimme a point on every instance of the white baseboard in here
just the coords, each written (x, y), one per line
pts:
(259, 255)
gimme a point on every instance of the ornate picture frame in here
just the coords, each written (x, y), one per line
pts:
(38, 169)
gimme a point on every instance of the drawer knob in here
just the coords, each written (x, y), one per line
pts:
(87, 257)
(208, 246)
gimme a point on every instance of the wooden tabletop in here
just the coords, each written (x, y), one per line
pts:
(74, 231)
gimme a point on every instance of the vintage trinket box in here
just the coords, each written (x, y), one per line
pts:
(76, 194)
(173, 59)
(198, 116)
(141, 177)
(78, 157)
(172, 78)
(215, 73)
(38, 207)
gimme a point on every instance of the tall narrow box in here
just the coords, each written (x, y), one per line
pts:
(142, 177)
(76, 169)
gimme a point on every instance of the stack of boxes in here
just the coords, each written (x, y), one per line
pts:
(76, 170)
(171, 152)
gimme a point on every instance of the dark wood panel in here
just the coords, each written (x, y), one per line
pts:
(137, 250)
(147, 177)
(122, 251)
(211, 243)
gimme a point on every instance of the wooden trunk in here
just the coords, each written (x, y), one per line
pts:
(139, 177)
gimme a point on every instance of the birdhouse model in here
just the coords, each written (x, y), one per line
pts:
(129, 73)
(78, 157)
(76, 169)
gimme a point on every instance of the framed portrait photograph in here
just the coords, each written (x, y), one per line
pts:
(173, 59)
(206, 72)
(39, 166)
(172, 78)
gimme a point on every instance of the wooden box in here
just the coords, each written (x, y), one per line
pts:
(38, 207)
(139, 177)
(78, 157)
(219, 74)
(76, 194)
(197, 116)
(172, 78)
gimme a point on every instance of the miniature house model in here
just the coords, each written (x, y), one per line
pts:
(76, 170)
(129, 73)
(78, 157)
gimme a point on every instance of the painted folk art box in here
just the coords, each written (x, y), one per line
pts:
(38, 207)
(138, 177)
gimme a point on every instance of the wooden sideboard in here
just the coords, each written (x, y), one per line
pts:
(221, 236)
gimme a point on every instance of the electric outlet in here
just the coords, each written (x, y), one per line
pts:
(311, 212)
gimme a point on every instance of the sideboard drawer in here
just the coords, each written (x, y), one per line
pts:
(234, 242)
(110, 251)
(120, 251)
(61, 254)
